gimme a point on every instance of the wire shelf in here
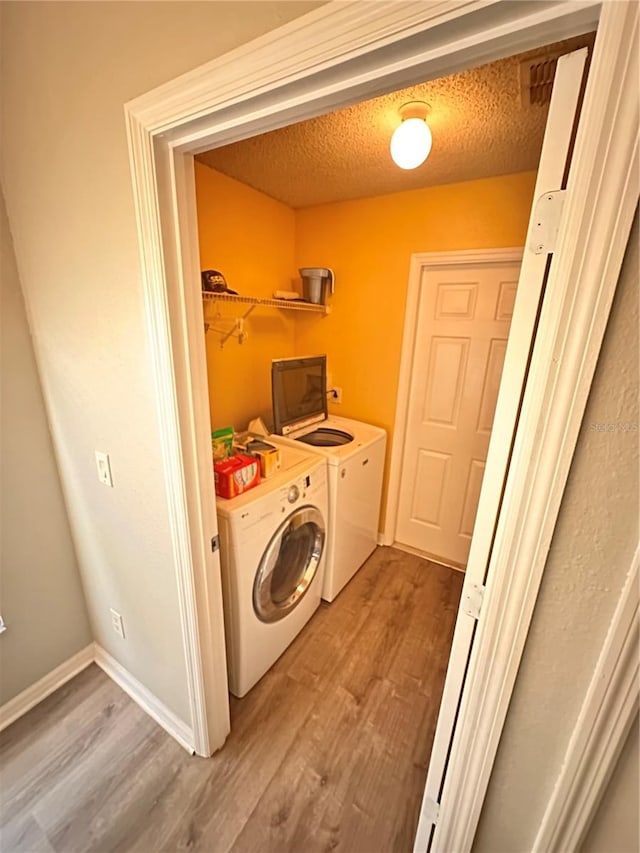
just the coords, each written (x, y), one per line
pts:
(285, 304)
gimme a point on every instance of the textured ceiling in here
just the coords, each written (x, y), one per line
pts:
(481, 127)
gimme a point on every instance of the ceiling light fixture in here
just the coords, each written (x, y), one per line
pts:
(411, 140)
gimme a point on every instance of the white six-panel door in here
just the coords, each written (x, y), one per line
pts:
(464, 315)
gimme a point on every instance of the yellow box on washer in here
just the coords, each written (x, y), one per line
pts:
(269, 457)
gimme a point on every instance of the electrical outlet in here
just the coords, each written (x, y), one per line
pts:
(104, 468)
(116, 622)
(336, 394)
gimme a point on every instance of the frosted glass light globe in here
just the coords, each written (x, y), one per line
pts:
(411, 143)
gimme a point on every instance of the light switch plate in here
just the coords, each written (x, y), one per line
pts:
(104, 468)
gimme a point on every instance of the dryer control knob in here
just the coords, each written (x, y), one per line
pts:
(293, 494)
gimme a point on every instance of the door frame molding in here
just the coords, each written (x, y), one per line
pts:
(419, 262)
(601, 730)
(602, 197)
(333, 56)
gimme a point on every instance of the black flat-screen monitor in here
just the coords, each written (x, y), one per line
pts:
(298, 392)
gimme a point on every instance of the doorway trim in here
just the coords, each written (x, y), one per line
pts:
(601, 729)
(419, 262)
(333, 56)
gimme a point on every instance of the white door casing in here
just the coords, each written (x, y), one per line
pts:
(335, 55)
(601, 728)
(461, 330)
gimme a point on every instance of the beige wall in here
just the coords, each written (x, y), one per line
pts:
(67, 69)
(40, 594)
(615, 827)
(590, 555)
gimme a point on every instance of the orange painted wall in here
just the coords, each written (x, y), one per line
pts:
(259, 243)
(250, 238)
(369, 243)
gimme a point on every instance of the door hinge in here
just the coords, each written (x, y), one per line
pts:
(472, 598)
(215, 543)
(431, 810)
(546, 223)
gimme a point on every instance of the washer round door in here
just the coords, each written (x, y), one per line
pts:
(289, 564)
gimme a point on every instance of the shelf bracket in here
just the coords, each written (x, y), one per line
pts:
(237, 330)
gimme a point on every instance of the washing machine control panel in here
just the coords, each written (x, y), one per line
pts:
(292, 493)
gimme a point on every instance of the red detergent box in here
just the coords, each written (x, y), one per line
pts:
(236, 475)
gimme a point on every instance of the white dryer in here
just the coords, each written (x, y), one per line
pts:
(272, 552)
(354, 452)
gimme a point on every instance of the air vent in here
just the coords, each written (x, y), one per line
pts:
(537, 73)
(536, 80)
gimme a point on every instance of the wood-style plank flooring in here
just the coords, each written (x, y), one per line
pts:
(328, 752)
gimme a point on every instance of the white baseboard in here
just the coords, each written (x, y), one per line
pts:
(383, 539)
(25, 701)
(149, 703)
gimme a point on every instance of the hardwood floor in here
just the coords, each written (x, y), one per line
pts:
(328, 752)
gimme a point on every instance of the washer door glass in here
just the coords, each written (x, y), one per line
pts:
(289, 564)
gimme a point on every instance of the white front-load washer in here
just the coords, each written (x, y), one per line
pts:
(354, 452)
(272, 554)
